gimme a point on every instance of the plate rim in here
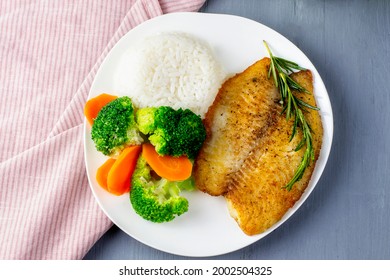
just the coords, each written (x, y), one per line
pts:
(319, 169)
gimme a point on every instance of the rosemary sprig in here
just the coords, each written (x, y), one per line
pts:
(280, 69)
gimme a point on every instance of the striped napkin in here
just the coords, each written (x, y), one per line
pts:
(49, 54)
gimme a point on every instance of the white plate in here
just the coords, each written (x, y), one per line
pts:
(207, 228)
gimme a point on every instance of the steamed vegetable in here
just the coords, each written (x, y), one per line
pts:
(114, 175)
(157, 199)
(172, 132)
(94, 105)
(119, 176)
(102, 173)
(157, 176)
(168, 167)
(115, 128)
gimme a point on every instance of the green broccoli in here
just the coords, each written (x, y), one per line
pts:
(157, 199)
(115, 128)
(172, 132)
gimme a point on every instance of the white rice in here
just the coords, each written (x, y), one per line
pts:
(171, 69)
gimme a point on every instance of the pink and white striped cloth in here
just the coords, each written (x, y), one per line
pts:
(49, 54)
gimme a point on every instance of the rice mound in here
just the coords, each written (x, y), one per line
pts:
(171, 69)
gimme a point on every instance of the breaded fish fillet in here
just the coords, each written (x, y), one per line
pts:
(244, 108)
(247, 155)
(255, 197)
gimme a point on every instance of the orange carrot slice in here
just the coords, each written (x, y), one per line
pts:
(94, 105)
(168, 167)
(102, 173)
(119, 176)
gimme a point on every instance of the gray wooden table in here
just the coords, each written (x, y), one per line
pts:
(348, 214)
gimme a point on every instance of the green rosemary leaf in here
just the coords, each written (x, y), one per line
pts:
(288, 112)
(283, 109)
(294, 85)
(289, 64)
(303, 103)
(293, 106)
(300, 145)
(294, 129)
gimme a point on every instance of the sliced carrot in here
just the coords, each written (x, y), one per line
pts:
(102, 173)
(119, 176)
(168, 167)
(94, 105)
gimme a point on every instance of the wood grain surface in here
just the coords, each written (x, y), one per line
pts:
(348, 214)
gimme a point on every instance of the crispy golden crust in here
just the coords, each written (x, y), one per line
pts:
(247, 156)
(245, 106)
(256, 198)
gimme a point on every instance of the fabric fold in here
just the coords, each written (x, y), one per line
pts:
(50, 53)
(50, 211)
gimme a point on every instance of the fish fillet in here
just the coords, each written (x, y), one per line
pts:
(253, 187)
(245, 106)
(256, 198)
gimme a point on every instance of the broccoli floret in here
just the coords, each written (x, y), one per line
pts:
(159, 125)
(189, 134)
(145, 118)
(172, 132)
(115, 128)
(154, 199)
